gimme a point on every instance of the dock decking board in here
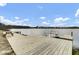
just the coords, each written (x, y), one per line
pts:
(29, 45)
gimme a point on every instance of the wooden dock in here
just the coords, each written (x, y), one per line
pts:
(35, 45)
(5, 48)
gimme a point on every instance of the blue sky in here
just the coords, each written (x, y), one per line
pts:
(39, 14)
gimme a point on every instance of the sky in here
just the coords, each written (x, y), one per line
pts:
(39, 14)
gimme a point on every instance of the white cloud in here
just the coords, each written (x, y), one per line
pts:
(45, 23)
(15, 22)
(26, 20)
(42, 18)
(60, 20)
(58, 24)
(76, 20)
(17, 17)
(1, 17)
(77, 13)
(5, 21)
(3, 4)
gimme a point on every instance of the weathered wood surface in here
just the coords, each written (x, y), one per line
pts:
(5, 48)
(66, 37)
(33, 45)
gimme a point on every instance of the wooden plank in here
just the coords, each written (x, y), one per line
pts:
(31, 45)
(5, 48)
(50, 48)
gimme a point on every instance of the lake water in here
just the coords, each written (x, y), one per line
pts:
(46, 32)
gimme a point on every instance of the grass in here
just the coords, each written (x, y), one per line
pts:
(75, 52)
